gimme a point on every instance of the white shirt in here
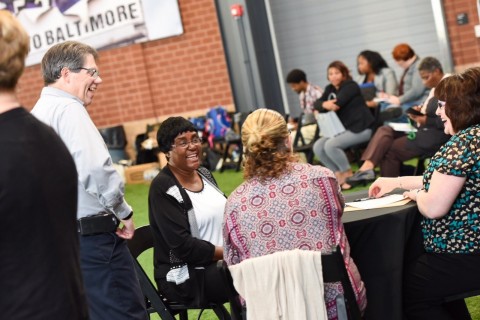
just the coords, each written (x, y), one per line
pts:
(209, 206)
(100, 187)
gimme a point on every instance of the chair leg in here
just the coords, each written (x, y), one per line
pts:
(221, 312)
(240, 156)
(183, 315)
(225, 156)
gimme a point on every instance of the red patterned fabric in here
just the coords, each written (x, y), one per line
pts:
(301, 209)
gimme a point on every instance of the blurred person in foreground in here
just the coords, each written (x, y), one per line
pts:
(447, 196)
(71, 78)
(284, 204)
(40, 275)
(185, 209)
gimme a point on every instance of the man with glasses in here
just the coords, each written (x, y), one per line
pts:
(71, 78)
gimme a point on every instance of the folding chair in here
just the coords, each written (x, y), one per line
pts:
(420, 167)
(238, 311)
(234, 140)
(299, 144)
(334, 270)
(155, 302)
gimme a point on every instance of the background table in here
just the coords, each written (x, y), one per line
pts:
(382, 242)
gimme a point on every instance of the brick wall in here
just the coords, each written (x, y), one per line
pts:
(464, 45)
(157, 78)
(189, 72)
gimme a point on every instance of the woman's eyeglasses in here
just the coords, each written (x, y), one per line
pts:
(184, 144)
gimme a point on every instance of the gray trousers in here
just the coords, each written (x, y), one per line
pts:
(331, 152)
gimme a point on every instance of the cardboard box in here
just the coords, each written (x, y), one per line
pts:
(136, 174)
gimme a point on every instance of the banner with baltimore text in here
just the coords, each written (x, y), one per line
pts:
(100, 23)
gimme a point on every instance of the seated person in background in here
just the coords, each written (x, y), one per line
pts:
(389, 148)
(375, 76)
(350, 107)
(276, 188)
(411, 91)
(307, 94)
(447, 198)
(186, 212)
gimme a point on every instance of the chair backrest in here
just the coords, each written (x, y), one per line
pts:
(155, 302)
(299, 143)
(334, 270)
(141, 242)
(236, 309)
(284, 284)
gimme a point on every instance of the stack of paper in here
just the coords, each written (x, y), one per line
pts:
(373, 203)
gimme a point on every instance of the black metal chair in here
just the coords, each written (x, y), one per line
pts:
(299, 143)
(333, 269)
(238, 311)
(155, 302)
(420, 168)
(234, 139)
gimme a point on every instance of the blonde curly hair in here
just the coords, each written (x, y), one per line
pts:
(267, 152)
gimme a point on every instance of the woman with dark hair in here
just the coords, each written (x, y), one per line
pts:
(285, 205)
(376, 75)
(186, 213)
(344, 97)
(447, 197)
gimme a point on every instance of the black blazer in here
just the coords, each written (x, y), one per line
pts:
(353, 113)
(430, 136)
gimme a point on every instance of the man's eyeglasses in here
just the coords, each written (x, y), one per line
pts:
(184, 144)
(441, 104)
(92, 72)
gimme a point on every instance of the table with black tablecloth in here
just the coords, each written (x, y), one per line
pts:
(382, 242)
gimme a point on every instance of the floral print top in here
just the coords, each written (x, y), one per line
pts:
(459, 230)
(301, 209)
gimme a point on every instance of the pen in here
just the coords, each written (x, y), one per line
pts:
(363, 199)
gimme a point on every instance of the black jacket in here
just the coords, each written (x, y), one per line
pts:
(430, 136)
(168, 215)
(353, 113)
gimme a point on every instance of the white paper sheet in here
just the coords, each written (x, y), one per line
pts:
(404, 127)
(376, 203)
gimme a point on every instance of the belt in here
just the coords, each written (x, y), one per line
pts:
(99, 223)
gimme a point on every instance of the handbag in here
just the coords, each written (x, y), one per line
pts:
(329, 124)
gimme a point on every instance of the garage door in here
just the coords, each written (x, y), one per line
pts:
(309, 34)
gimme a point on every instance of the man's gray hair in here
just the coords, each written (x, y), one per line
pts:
(430, 64)
(68, 54)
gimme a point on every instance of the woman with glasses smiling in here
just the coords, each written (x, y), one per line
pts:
(448, 198)
(186, 213)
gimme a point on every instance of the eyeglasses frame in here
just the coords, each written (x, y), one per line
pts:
(197, 142)
(91, 71)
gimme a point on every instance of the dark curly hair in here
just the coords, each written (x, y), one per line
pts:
(461, 92)
(170, 129)
(263, 136)
(375, 60)
(296, 76)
